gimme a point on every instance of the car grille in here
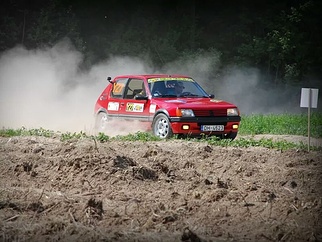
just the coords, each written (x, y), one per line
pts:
(210, 113)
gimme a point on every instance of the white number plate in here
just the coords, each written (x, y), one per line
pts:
(212, 127)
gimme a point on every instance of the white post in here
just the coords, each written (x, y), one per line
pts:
(309, 118)
(309, 99)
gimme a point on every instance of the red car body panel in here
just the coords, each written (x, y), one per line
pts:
(207, 110)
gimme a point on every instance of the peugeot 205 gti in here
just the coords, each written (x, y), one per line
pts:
(169, 104)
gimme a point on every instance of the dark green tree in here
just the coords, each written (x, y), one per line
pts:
(38, 24)
(284, 47)
(10, 32)
(53, 23)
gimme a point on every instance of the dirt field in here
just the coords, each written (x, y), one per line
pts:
(179, 190)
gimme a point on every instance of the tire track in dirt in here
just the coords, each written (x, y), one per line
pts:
(175, 190)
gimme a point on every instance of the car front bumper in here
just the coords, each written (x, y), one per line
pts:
(179, 125)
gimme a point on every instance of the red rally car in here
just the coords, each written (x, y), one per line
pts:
(170, 104)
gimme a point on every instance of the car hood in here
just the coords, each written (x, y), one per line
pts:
(197, 102)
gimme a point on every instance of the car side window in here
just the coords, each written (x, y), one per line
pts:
(135, 87)
(118, 88)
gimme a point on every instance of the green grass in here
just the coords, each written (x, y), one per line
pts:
(287, 124)
(142, 136)
(26, 132)
(69, 136)
(278, 124)
(263, 142)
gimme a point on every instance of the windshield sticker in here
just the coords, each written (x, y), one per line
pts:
(134, 107)
(152, 108)
(169, 79)
(113, 106)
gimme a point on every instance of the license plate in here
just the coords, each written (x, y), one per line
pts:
(212, 127)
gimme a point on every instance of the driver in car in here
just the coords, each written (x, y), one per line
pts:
(178, 88)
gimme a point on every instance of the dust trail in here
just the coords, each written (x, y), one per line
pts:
(245, 87)
(46, 88)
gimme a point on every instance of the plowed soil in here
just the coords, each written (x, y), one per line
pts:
(178, 190)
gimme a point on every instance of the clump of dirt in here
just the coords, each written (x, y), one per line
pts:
(81, 190)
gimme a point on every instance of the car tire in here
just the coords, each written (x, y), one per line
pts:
(161, 126)
(101, 122)
(231, 136)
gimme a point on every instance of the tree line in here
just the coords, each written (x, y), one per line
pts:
(280, 38)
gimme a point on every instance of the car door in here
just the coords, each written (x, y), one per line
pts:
(115, 97)
(132, 108)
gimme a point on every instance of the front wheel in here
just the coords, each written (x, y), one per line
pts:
(230, 136)
(161, 126)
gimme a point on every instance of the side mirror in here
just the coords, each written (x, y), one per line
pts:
(211, 95)
(109, 78)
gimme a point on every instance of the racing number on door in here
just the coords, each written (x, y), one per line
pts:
(117, 88)
(129, 107)
(135, 107)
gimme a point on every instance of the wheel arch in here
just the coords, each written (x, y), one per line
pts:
(164, 111)
(101, 110)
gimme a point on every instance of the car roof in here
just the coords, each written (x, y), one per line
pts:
(147, 76)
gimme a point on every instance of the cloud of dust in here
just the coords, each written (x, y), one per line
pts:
(200, 67)
(244, 87)
(247, 88)
(46, 87)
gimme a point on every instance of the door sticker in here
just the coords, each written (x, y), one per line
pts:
(152, 108)
(113, 106)
(134, 107)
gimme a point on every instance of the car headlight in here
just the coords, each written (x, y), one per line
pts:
(232, 112)
(185, 113)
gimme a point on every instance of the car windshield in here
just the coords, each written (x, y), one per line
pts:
(175, 87)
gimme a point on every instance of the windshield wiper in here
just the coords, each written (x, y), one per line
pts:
(168, 95)
(189, 95)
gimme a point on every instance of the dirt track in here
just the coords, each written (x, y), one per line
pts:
(158, 191)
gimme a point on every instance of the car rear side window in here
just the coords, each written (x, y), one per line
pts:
(118, 88)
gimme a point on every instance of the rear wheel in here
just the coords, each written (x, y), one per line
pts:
(161, 126)
(101, 122)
